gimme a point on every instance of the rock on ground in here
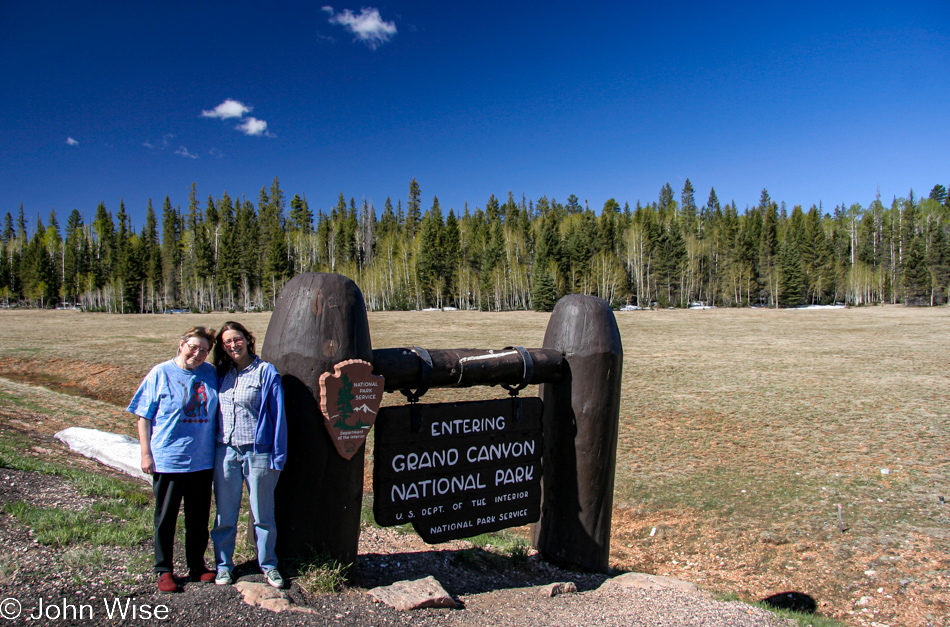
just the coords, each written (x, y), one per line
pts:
(414, 595)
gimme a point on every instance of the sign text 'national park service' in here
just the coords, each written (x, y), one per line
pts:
(349, 399)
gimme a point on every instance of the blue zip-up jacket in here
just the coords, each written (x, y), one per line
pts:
(271, 434)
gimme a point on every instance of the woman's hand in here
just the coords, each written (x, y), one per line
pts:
(148, 464)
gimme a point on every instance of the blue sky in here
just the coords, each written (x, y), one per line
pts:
(814, 101)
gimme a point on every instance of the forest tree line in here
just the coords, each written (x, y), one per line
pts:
(230, 253)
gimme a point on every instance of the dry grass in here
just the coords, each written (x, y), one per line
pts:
(741, 433)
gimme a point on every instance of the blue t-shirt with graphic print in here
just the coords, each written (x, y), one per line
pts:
(182, 405)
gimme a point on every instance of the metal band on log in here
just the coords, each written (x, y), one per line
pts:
(581, 421)
(465, 367)
(319, 320)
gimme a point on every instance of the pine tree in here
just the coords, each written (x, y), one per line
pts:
(38, 270)
(768, 247)
(135, 273)
(429, 261)
(300, 215)
(366, 234)
(917, 279)
(171, 253)
(791, 286)
(688, 208)
(152, 257)
(493, 209)
(665, 202)
(938, 193)
(16, 277)
(451, 252)
(21, 231)
(387, 222)
(247, 253)
(579, 246)
(189, 223)
(205, 269)
(54, 247)
(103, 246)
(490, 259)
(8, 234)
(938, 263)
(671, 258)
(74, 266)
(277, 269)
(125, 289)
(543, 291)
(349, 230)
(228, 270)
(193, 217)
(709, 210)
(413, 208)
(5, 274)
(573, 206)
(548, 251)
(509, 210)
(276, 263)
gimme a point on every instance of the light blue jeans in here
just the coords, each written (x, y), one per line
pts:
(233, 467)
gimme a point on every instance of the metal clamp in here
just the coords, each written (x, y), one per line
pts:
(528, 371)
(426, 378)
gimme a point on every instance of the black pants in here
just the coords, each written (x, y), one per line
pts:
(171, 488)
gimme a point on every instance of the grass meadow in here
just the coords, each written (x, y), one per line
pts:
(760, 450)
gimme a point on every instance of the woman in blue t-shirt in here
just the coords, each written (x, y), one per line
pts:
(176, 406)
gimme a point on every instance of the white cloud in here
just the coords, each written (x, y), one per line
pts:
(214, 152)
(253, 126)
(183, 152)
(368, 25)
(234, 109)
(161, 145)
(227, 109)
(71, 142)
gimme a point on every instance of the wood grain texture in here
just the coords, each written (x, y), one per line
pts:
(581, 422)
(319, 321)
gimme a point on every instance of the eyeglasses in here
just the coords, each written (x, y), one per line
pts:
(194, 348)
(234, 342)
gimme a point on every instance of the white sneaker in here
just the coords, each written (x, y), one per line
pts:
(223, 577)
(273, 578)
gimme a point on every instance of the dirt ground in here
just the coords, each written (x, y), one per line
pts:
(48, 582)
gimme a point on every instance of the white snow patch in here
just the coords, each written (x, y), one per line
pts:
(116, 451)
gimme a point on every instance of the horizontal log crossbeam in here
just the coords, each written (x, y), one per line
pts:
(465, 367)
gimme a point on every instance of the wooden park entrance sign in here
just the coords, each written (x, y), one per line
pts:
(452, 469)
(462, 469)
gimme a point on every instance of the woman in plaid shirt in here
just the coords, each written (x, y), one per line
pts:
(250, 447)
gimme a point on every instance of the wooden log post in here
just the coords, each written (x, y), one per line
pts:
(319, 320)
(581, 421)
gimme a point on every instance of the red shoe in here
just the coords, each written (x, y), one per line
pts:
(204, 575)
(167, 583)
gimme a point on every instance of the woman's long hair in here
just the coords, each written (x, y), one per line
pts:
(222, 361)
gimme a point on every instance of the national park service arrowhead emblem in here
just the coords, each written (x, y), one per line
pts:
(349, 399)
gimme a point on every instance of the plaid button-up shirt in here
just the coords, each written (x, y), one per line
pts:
(239, 400)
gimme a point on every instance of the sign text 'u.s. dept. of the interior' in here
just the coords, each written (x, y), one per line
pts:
(456, 470)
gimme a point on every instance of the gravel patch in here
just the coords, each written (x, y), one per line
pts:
(84, 585)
